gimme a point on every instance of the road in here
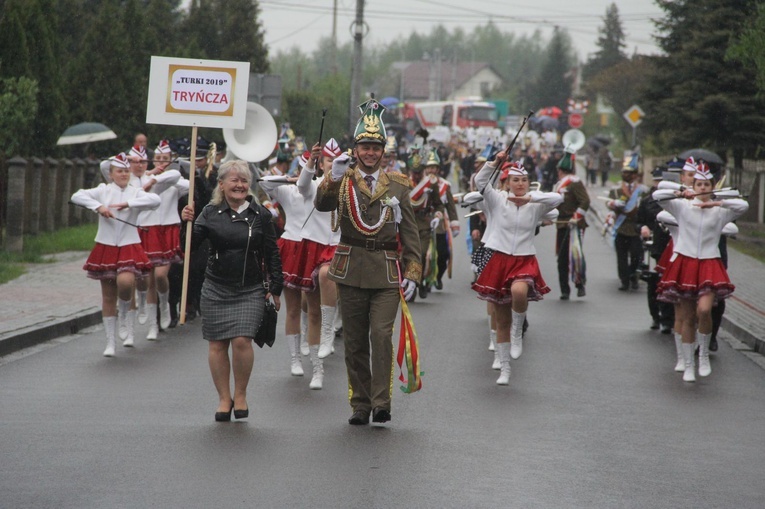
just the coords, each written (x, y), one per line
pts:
(594, 416)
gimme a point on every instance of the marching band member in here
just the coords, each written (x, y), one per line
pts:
(117, 258)
(426, 204)
(162, 241)
(448, 220)
(511, 278)
(696, 276)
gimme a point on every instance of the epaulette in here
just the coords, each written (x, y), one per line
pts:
(400, 178)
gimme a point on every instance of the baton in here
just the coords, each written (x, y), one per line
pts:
(698, 194)
(143, 228)
(509, 148)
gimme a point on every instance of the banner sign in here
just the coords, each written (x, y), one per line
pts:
(203, 93)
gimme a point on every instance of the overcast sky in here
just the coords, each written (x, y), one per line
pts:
(303, 22)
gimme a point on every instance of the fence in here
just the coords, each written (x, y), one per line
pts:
(34, 196)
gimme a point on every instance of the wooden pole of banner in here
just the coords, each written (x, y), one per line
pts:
(189, 226)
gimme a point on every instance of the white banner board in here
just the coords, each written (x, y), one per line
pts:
(203, 93)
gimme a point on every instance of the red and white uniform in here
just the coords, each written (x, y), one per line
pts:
(510, 233)
(162, 241)
(695, 267)
(118, 245)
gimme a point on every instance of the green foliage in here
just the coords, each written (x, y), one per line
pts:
(695, 97)
(749, 47)
(18, 108)
(553, 88)
(303, 109)
(610, 44)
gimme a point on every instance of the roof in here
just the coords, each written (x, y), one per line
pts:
(453, 76)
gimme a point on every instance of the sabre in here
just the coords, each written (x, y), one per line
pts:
(700, 194)
(315, 162)
(142, 228)
(509, 148)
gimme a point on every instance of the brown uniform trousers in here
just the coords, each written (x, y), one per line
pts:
(365, 268)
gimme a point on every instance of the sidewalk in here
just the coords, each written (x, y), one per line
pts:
(49, 301)
(744, 316)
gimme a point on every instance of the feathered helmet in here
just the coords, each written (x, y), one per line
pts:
(433, 159)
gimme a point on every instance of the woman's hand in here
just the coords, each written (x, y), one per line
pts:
(519, 200)
(316, 152)
(147, 187)
(119, 206)
(708, 204)
(187, 214)
(276, 299)
(104, 211)
(499, 159)
(688, 194)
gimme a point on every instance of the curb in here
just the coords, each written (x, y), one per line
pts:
(14, 341)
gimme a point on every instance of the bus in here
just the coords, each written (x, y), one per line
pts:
(452, 114)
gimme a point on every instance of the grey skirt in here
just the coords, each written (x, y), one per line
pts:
(230, 312)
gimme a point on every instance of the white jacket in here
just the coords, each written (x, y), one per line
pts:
(699, 229)
(318, 227)
(670, 222)
(292, 203)
(169, 187)
(111, 232)
(510, 229)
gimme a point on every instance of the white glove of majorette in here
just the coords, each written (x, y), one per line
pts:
(434, 223)
(340, 166)
(408, 287)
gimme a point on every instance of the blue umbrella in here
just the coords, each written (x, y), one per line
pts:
(389, 101)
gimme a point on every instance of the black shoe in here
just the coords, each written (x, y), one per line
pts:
(655, 325)
(439, 285)
(173, 323)
(380, 415)
(635, 284)
(224, 416)
(191, 314)
(525, 327)
(423, 292)
(713, 344)
(242, 414)
(339, 333)
(624, 287)
(580, 291)
(666, 329)
(564, 296)
(359, 417)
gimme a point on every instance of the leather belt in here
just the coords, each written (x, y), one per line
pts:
(369, 243)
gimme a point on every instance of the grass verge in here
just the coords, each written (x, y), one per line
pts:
(77, 238)
(750, 240)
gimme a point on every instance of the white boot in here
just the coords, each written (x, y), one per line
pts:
(304, 333)
(516, 334)
(492, 340)
(122, 308)
(110, 323)
(296, 365)
(318, 368)
(130, 326)
(141, 301)
(164, 310)
(496, 364)
(688, 357)
(327, 342)
(680, 365)
(504, 359)
(705, 368)
(151, 318)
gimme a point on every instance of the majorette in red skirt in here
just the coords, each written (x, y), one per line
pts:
(106, 262)
(689, 278)
(162, 244)
(665, 258)
(502, 271)
(301, 261)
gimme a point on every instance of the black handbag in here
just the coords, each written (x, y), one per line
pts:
(267, 331)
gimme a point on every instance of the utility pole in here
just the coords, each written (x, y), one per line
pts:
(334, 37)
(358, 32)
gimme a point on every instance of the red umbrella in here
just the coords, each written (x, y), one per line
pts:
(550, 111)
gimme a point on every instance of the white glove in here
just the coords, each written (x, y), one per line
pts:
(434, 223)
(408, 287)
(340, 166)
(455, 226)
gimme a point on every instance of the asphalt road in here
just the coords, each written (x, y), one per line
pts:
(594, 416)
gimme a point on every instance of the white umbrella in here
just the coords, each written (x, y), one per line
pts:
(85, 133)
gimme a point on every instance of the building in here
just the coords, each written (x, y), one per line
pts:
(427, 80)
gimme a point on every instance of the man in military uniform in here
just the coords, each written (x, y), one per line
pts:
(448, 222)
(428, 209)
(373, 213)
(575, 204)
(624, 205)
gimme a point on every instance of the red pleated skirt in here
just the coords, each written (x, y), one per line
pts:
(162, 244)
(502, 271)
(665, 258)
(301, 262)
(689, 278)
(105, 262)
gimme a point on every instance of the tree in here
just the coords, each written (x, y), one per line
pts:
(14, 48)
(610, 44)
(695, 97)
(555, 80)
(18, 109)
(749, 48)
(241, 34)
